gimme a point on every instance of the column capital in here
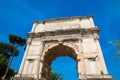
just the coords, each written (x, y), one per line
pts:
(80, 39)
(95, 36)
(29, 41)
(78, 59)
(41, 61)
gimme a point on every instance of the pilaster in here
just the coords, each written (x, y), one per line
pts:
(24, 57)
(80, 60)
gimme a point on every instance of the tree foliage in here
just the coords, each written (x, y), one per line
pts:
(16, 40)
(10, 74)
(3, 66)
(55, 76)
(9, 50)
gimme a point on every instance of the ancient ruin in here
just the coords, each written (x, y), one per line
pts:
(76, 37)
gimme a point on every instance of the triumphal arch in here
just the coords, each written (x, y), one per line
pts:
(76, 37)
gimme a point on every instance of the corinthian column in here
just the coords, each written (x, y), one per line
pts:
(80, 61)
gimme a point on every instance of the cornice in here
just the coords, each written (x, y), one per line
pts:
(63, 32)
(62, 19)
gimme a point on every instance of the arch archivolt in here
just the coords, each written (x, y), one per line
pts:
(73, 45)
(53, 49)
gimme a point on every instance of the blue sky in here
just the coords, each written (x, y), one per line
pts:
(17, 16)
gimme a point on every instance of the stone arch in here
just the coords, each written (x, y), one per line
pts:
(60, 36)
(71, 45)
(52, 53)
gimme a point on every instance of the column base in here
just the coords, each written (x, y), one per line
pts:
(96, 77)
(24, 77)
(82, 77)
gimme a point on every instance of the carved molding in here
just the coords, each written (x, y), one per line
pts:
(29, 41)
(78, 59)
(62, 32)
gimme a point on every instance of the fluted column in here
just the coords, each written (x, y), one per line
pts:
(80, 61)
(41, 65)
(35, 69)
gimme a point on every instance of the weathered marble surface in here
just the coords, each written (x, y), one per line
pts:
(76, 37)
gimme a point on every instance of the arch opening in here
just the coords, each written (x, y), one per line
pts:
(66, 67)
(54, 53)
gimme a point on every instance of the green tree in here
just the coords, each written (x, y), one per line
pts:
(10, 74)
(15, 42)
(7, 50)
(116, 44)
(55, 76)
(3, 66)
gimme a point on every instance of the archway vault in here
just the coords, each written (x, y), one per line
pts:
(57, 51)
(52, 53)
